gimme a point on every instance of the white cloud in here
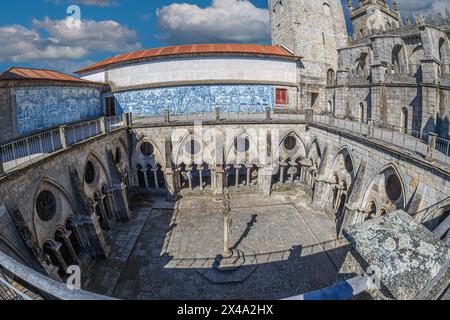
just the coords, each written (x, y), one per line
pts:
(95, 36)
(222, 21)
(21, 44)
(410, 7)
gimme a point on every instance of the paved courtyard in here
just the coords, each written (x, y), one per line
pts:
(158, 255)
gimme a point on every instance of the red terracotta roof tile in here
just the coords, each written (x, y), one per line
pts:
(16, 73)
(192, 49)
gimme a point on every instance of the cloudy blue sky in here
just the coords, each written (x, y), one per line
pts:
(35, 34)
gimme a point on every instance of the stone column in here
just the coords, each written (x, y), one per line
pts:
(155, 177)
(105, 217)
(147, 185)
(219, 177)
(128, 119)
(80, 234)
(102, 125)
(265, 175)
(200, 173)
(68, 243)
(237, 176)
(268, 113)
(62, 136)
(371, 128)
(99, 243)
(431, 146)
(189, 172)
(172, 183)
(56, 251)
(249, 178)
(121, 202)
(282, 165)
(166, 115)
(217, 110)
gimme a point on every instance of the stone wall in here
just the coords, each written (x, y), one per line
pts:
(20, 189)
(420, 186)
(6, 116)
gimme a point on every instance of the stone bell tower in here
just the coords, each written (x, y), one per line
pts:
(313, 30)
(373, 15)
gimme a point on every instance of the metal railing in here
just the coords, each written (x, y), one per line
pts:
(23, 152)
(443, 150)
(83, 131)
(114, 123)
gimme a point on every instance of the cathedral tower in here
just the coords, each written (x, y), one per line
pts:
(374, 15)
(314, 30)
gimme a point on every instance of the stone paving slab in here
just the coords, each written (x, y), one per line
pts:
(175, 243)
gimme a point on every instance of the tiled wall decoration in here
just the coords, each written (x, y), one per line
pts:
(38, 108)
(196, 99)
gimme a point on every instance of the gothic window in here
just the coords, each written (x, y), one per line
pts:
(444, 55)
(46, 205)
(330, 77)
(193, 147)
(327, 9)
(393, 187)
(361, 64)
(89, 174)
(242, 144)
(404, 119)
(281, 96)
(314, 98)
(290, 143)
(398, 59)
(330, 106)
(372, 210)
(141, 177)
(118, 156)
(147, 149)
(348, 163)
(361, 112)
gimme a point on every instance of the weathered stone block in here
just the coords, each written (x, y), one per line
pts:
(403, 254)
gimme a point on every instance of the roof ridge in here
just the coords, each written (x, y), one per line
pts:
(199, 48)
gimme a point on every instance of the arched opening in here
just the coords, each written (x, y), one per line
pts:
(90, 173)
(330, 77)
(62, 238)
(361, 112)
(404, 120)
(141, 177)
(444, 55)
(46, 205)
(51, 249)
(393, 187)
(147, 149)
(372, 210)
(330, 106)
(161, 183)
(151, 177)
(361, 64)
(382, 212)
(74, 236)
(326, 9)
(398, 59)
